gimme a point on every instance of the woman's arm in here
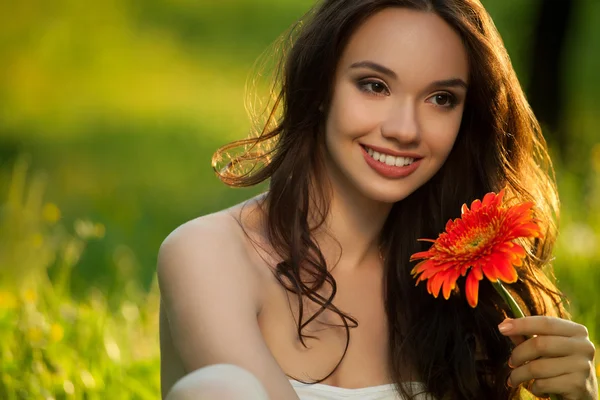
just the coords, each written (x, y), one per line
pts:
(171, 367)
(210, 296)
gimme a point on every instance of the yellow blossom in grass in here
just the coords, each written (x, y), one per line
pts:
(88, 379)
(38, 367)
(30, 296)
(68, 387)
(112, 349)
(50, 213)
(87, 229)
(56, 332)
(8, 301)
(100, 230)
(7, 380)
(35, 335)
(37, 240)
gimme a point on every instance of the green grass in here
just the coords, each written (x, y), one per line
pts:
(56, 345)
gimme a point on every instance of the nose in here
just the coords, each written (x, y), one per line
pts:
(401, 123)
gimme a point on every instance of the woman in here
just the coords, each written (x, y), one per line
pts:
(393, 114)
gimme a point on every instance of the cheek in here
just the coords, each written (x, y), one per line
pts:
(442, 132)
(349, 113)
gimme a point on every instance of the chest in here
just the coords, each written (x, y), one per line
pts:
(360, 297)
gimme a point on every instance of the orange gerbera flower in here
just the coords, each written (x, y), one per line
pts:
(479, 243)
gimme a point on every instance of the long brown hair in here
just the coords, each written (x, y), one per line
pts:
(499, 145)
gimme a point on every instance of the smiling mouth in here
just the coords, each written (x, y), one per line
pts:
(389, 159)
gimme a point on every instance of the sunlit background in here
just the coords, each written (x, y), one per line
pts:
(109, 114)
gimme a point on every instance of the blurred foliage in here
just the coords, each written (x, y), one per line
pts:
(53, 346)
(119, 106)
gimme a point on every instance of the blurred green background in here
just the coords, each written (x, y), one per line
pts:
(110, 112)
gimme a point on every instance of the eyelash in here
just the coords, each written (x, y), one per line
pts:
(363, 84)
(452, 101)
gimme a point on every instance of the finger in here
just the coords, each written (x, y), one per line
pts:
(549, 346)
(569, 385)
(545, 368)
(542, 325)
(517, 339)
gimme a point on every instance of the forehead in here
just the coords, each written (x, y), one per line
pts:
(416, 45)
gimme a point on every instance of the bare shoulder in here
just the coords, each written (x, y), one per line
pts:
(210, 298)
(217, 243)
(203, 232)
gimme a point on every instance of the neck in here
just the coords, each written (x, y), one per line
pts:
(353, 226)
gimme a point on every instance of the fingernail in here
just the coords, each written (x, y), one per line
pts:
(505, 326)
(509, 382)
(510, 364)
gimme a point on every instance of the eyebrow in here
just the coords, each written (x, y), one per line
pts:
(375, 67)
(448, 83)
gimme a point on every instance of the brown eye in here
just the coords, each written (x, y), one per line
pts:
(377, 87)
(442, 99)
(445, 100)
(374, 87)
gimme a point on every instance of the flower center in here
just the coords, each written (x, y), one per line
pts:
(476, 240)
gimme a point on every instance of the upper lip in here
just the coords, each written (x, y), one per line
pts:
(392, 152)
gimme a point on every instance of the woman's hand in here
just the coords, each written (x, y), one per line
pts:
(558, 356)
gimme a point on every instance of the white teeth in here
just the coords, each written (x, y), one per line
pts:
(389, 159)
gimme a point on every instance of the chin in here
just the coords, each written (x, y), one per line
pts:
(387, 194)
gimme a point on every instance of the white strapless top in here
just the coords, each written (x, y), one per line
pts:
(319, 391)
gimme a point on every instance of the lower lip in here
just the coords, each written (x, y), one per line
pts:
(390, 171)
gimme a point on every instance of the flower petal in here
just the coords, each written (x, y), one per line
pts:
(476, 205)
(464, 209)
(488, 199)
(450, 282)
(472, 289)
(505, 271)
(421, 266)
(421, 255)
(489, 270)
(525, 230)
(435, 284)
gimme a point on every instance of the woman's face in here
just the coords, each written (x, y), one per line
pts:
(397, 104)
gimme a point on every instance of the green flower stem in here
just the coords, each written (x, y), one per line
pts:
(514, 307)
